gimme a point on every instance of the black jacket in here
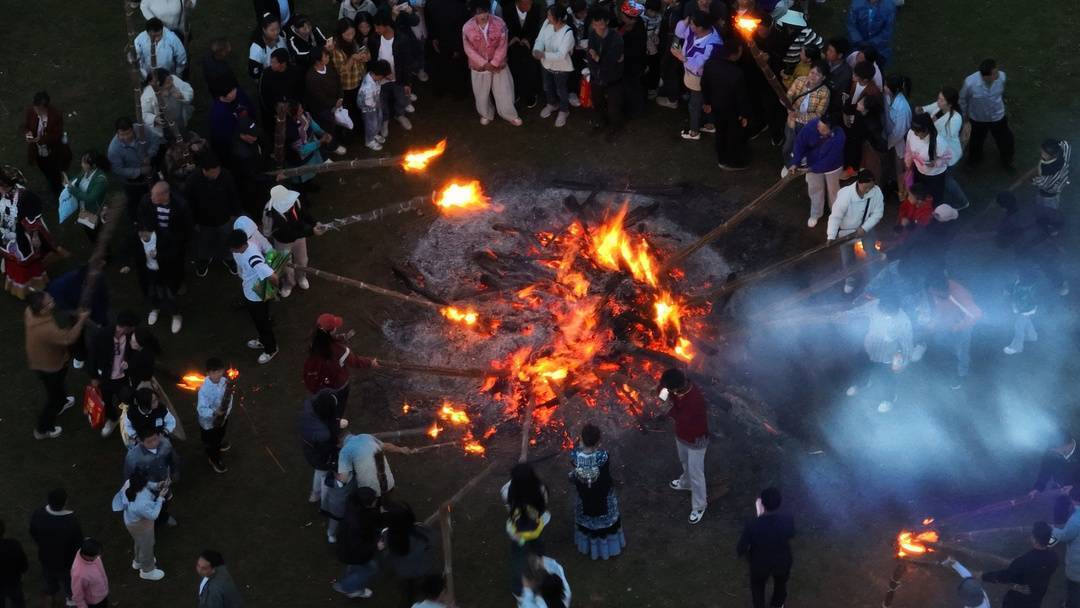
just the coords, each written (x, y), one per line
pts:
(723, 86)
(219, 75)
(404, 50)
(1034, 569)
(445, 20)
(101, 352)
(275, 87)
(1055, 467)
(300, 50)
(609, 69)
(12, 562)
(297, 223)
(634, 48)
(213, 201)
(58, 537)
(529, 29)
(358, 535)
(173, 231)
(765, 541)
(263, 7)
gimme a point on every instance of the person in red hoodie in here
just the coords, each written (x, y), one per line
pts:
(330, 358)
(691, 436)
(953, 314)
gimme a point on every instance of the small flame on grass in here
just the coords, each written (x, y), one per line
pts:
(461, 196)
(418, 160)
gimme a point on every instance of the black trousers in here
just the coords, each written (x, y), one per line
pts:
(730, 141)
(12, 596)
(633, 91)
(651, 80)
(260, 316)
(758, 579)
(526, 72)
(112, 393)
(449, 74)
(1003, 138)
(53, 174)
(608, 103)
(1072, 594)
(212, 440)
(671, 70)
(55, 397)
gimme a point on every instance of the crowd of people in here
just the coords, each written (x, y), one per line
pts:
(833, 107)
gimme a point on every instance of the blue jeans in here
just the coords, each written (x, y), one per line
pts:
(555, 89)
(373, 119)
(695, 106)
(357, 576)
(393, 99)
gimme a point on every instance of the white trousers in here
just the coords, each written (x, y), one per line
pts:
(498, 84)
(818, 185)
(693, 473)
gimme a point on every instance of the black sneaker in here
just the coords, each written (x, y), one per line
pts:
(225, 446)
(777, 141)
(763, 130)
(201, 270)
(219, 467)
(230, 265)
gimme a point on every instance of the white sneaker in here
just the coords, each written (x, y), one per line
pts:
(405, 123)
(548, 110)
(695, 516)
(810, 223)
(575, 100)
(134, 565)
(177, 324)
(152, 317)
(330, 538)
(53, 434)
(422, 76)
(107, 430)
(708, 128)
(285, 292)
(410, 109)
(664, 102)
(485, 121)
(77, 363)
(676, 484)
(515, 121)
(303, 284)
(413, 97)
(884, 407)
(154, 575)
(314, 497)
(380, 138)
(70, 403)
(849, 284)
(255, 344)
(374, 145)
(340, 150)
(1012, 351)
(266, 357)
(852, 390)
(560, 119)
(70, 602)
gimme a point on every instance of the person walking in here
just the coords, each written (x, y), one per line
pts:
(857, 210)
(142, 505)
(982, 101)
(1024, 306)
(47, 354)
(953, 315)
(217, 588)
(485, 41)
(167, 217)
(58, 536)
(553, 47)
(13, 565)
(598, 532)
(89, 583)
(46, 141)
(888, 345)
(690, 412)
(820, 146)
(766, 544)
(1032, 570)
(254, 274)
(109, 354)
(155, 458)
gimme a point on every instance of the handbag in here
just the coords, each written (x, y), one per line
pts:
(585, 90)
(87, 218)
(94, 406)
(341, 117)
(67, 205)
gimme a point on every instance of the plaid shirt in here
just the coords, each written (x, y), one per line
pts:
(816, 101)
(349, 72)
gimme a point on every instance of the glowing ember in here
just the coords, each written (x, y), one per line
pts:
(405, 407)
(453, 415)
(461, 196)
(465, 317)
(928, 521)
(910, 543)
(419, 160)
(434, 431)
(192, 381)
(747, 25)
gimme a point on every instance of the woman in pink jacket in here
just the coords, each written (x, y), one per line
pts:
(89, 585)
(484, 37)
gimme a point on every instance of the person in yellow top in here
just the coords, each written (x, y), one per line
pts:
(47, 355)
(809, 96)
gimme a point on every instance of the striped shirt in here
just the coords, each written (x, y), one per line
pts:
(253, 268)
(1053, 175)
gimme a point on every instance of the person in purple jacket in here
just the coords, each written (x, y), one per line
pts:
(820, 147)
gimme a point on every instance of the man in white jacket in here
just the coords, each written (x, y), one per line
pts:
(166, 98)
(857, 210)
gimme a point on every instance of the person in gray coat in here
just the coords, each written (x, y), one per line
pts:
(216, 589)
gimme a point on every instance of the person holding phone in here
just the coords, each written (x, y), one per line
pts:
(766, 544)
(688, 409)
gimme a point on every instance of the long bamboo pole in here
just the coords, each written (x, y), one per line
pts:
(96, 264)
(728, 224)
(422, 430)
(526, 430)
(468, 487)
(772, 269)
(374, 215)
(338, 165)
(390, 293)
(280, 113)
(770, 76)
(458, 372)
(448, 553)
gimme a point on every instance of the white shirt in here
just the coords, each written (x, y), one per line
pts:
(150, 251)
(917, 151)
(149, 102)
(948, 127)
(556, 47)
(529, 599)
(386, 53)
(202, 584)
(521, 14)
(252, 267)
(851, 211)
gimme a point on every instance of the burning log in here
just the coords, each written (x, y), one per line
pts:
(894, 583)
(710, 236)
(747, 26)
(526, 430)
(671, 191)
(740, 282)
(411, 283)
(455, 372)
(401, 434)
(971, 534)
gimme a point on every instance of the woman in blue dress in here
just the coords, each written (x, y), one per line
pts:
(598, 527)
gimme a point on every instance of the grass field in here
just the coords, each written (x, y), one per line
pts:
(256, 514)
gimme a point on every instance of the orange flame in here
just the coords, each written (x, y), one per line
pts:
(684, 349)
(453, 415)
(910, 543)
(419, 160)
(465, 317)
(434, 431)
(405, 407)
(860, 251)
(667, 312)
(613, 248)
(193, 380)
(747, 25)
(461, 196)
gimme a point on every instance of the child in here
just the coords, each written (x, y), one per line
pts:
(432, 591)
(1022, 300)
(369, 100)
(158, 291)
(146, 412)
(215, 402)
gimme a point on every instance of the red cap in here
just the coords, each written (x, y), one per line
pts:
(328, 322)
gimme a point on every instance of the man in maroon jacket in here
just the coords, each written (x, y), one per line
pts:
(691, 436)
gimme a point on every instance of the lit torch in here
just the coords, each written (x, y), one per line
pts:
(461, 196)
(416, 161)
(747, 26)
(192, 381)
